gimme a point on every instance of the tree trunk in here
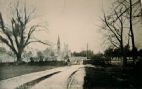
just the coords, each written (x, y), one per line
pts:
(124, 60)
(132, 34)
(19, 57)
(123, 55)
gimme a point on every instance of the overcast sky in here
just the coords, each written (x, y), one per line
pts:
(73, 20)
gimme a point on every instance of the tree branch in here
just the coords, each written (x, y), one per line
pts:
(38, 41)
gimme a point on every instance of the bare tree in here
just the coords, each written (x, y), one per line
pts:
(130, 9)
(115, 30)
(18, 35)
(133, 11)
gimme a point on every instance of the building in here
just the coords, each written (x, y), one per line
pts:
(61, 54)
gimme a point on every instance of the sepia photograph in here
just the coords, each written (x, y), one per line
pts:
(70, 44)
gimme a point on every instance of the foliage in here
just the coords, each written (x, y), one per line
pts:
(140, 53)
(98, 56)
(52, 54)
(83, 53)
(2, 50)
(108, 52)
(116, 52)
(66, 57)
(47, 52)
(39, 53)
(27, 54)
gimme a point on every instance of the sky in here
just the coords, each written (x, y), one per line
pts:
(75, 21)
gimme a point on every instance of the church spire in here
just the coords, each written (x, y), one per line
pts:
(58, 43)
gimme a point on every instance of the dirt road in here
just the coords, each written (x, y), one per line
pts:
(71, 78)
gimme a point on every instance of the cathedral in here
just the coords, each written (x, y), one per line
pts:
(62, 54)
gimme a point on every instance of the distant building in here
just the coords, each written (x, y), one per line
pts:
(61, 54)
(66, 51)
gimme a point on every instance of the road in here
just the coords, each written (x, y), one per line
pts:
(67, 77)
(70, 78)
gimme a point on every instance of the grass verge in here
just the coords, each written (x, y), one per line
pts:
(110, 78)
(9, 70)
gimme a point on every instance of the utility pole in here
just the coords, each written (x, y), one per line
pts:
(87, 51)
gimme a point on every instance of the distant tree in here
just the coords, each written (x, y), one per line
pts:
(83, 53)
(27, 54)
(47, 52)
(40, 55)
(52, 54)
(140, 52)
(66, 57)
(98, 56)
(90, 53)
(19, 34)
(76, 54)
(109, 52)
(31, 59)
(127, 50)
(117, 52)
(2, 50)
